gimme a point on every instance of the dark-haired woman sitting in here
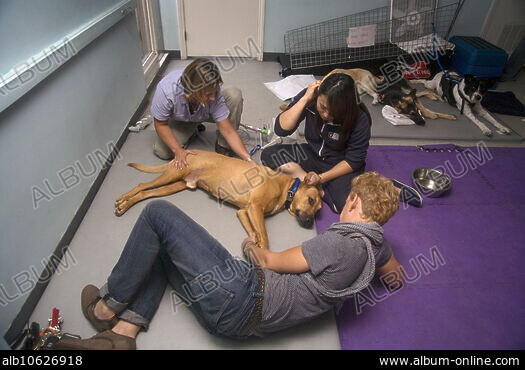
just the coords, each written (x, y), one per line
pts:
(337, 133)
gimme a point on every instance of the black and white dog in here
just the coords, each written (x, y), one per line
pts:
(465, 94)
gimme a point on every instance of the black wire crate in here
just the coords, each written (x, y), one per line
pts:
(329, 43)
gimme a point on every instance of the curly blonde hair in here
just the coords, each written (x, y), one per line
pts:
(379, 197)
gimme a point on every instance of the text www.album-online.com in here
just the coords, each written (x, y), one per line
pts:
(459, 361)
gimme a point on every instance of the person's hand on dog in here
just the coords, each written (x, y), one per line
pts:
(312, 178)
(253, 162)
(251, 240)
(312, 91)
(179, 158)
(248, 245)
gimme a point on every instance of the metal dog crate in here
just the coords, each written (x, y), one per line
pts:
(325, 43)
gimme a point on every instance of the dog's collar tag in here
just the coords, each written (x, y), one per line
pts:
(291, 193)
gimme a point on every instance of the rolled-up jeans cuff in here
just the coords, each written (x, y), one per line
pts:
(110, 301)
(134, 318)
(121, 309)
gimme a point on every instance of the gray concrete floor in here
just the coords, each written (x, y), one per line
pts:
(99, 241)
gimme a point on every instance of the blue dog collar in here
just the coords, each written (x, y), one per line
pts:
(291, 193)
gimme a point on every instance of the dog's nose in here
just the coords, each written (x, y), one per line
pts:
(477, 97)
(304, 220)
(306, 223)
(419, 121)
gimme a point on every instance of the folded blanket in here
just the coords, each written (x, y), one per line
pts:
(425, 44)
(503, 103)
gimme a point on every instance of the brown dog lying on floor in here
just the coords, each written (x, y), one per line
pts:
(257, 190)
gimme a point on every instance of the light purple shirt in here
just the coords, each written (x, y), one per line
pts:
(169, 102)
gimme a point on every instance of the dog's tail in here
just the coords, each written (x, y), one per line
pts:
(149, 169)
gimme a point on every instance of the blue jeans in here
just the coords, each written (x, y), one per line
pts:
(166, 245)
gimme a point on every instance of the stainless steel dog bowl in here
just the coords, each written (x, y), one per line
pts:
(431, 183)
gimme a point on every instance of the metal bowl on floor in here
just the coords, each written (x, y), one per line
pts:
(431, 183)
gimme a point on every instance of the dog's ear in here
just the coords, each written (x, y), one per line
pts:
(491, 82)
(394, 99)
(469, 78)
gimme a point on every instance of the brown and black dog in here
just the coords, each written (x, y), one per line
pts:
(258, 191)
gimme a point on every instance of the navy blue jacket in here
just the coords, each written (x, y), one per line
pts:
(325, 145)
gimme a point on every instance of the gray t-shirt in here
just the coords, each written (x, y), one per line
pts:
(335, 261)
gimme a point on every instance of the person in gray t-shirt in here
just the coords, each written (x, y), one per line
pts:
(298, 280)
(229, 298)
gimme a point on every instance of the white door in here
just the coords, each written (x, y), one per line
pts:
(225, 28)
(505, 24)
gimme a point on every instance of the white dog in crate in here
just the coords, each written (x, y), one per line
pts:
(466, 94)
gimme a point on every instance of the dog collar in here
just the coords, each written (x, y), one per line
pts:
(291, 193)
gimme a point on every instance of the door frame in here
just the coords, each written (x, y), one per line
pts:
(182, 29)
(145, 22)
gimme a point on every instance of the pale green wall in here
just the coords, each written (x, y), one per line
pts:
(80, 108)
(29, 26)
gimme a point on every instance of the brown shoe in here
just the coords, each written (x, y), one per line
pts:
(89, 298)
(107, 340)
(224, 151)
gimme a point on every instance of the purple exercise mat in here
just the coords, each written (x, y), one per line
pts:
(462, 254)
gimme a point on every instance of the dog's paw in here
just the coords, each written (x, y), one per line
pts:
(487, 132)
(504, 131)
(119, 201)
(121, 209)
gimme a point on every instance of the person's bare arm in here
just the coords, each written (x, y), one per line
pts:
(340, 169)
(179, 153)
(391, 273)
(232, 137)
(290, 261)
(290, 118)
(164, 132)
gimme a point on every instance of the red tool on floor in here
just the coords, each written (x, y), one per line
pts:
(48, 337)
